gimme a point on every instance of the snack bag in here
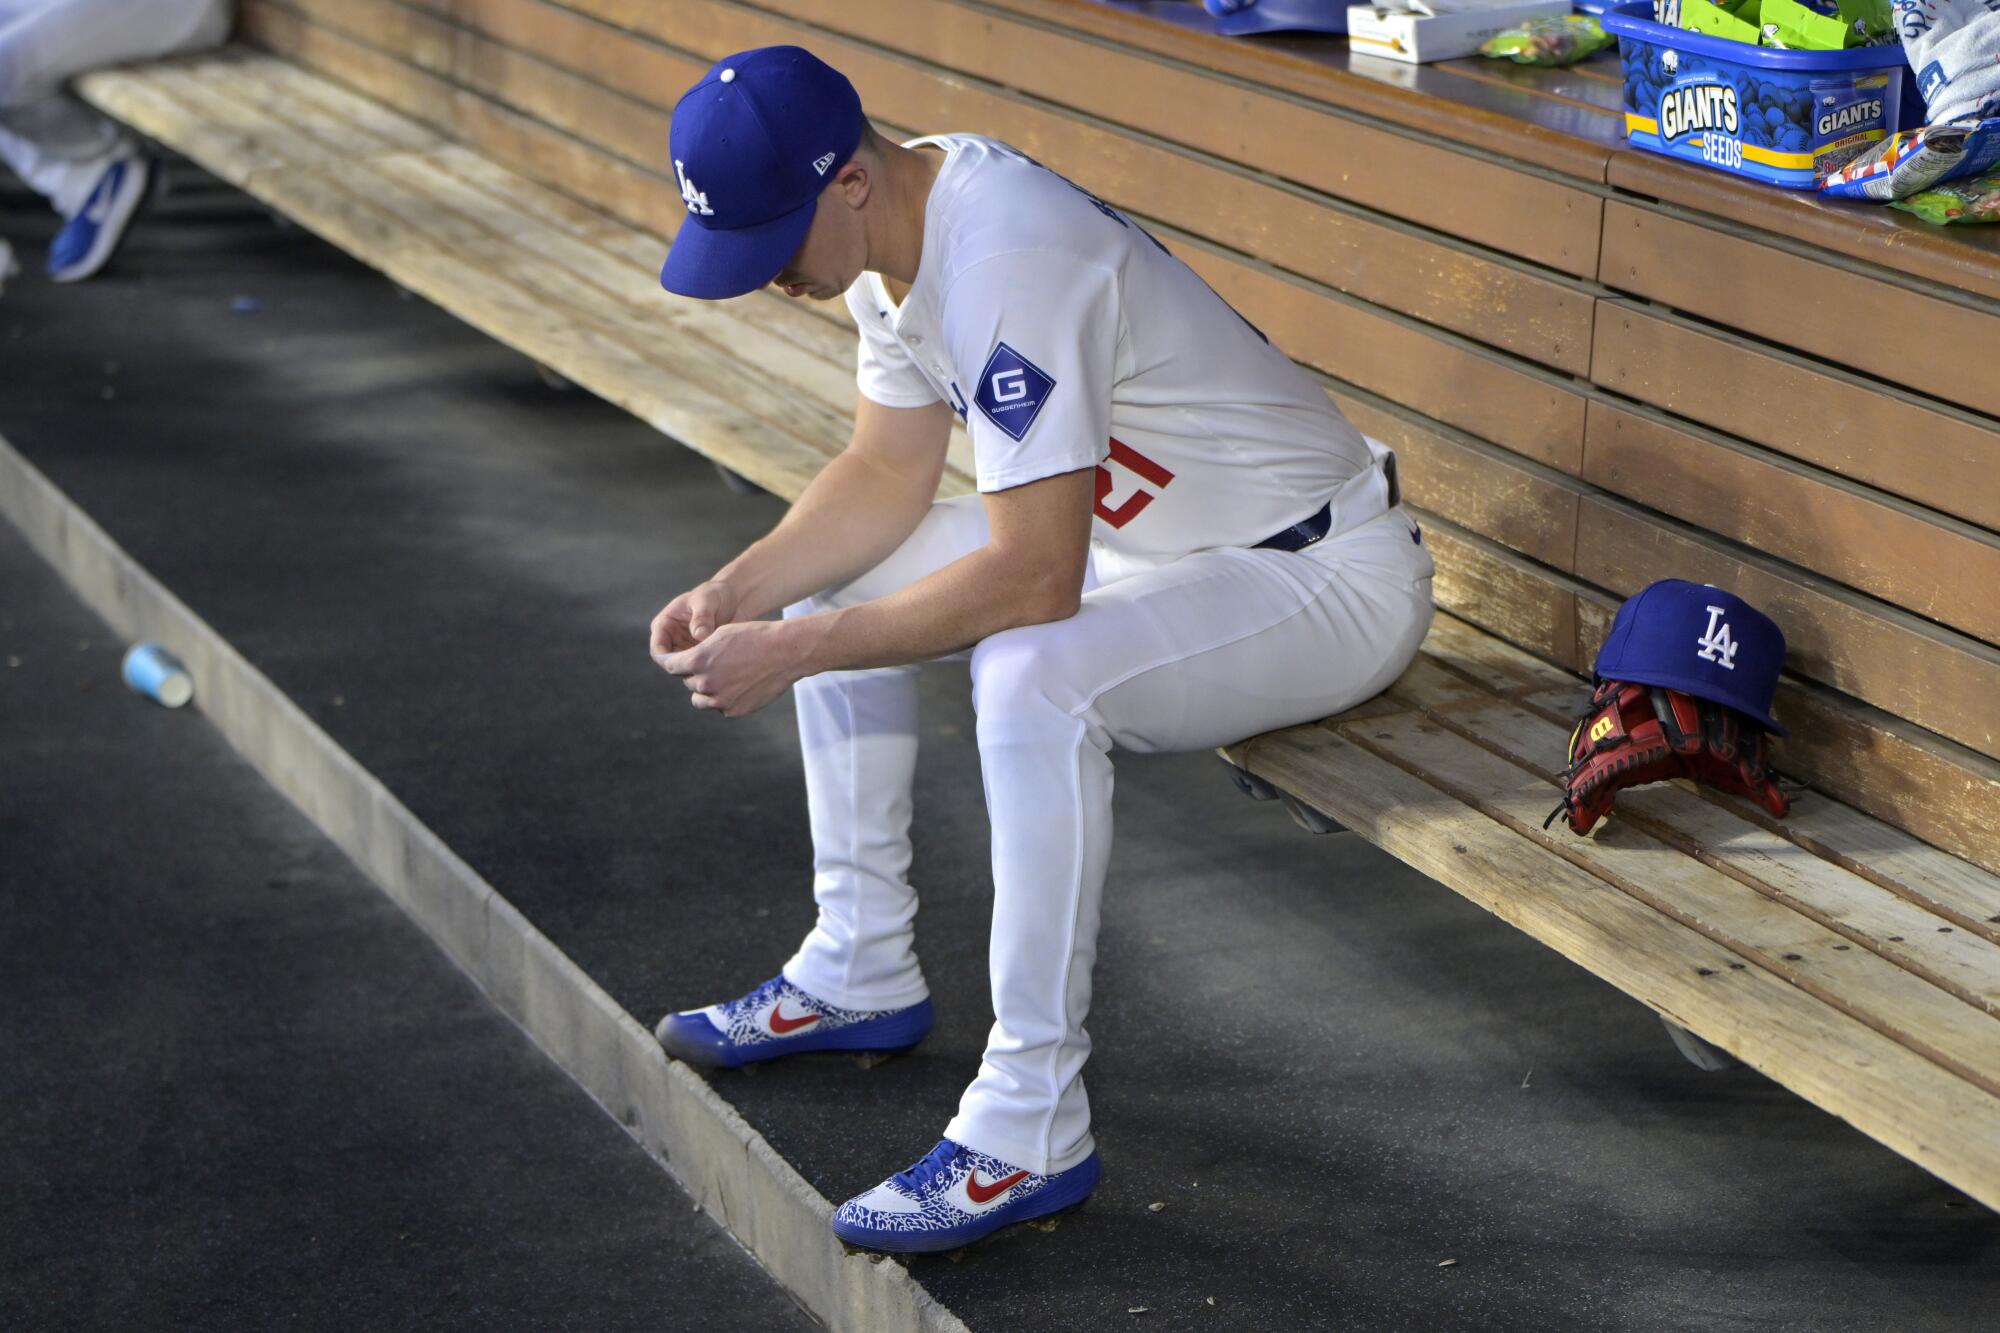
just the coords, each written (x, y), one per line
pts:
(1915, 160)
(1561, 40)
(1715, 21)
(1974, 199)
(1791, 26)
(1869, 22)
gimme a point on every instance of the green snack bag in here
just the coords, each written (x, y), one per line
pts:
(1865, 19)
(1717, 22)
(1973, 199)
(1549, 40)
(1801, 29)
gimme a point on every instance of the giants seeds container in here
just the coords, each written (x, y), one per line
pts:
(1784, 117)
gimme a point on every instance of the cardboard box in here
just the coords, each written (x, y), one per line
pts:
(1418, 31)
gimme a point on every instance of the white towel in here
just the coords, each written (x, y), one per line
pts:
(1954, 46)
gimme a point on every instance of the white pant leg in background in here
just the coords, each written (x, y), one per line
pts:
(52, 141)
(1208, 649)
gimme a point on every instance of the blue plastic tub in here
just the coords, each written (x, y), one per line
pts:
(1784, 117)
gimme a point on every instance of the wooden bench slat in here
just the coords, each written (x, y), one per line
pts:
(1506, 593)
(1949, 1126)
(1501, 400)
(1762, 929)
(636, 197)
(1933, 344)
(525, 80)
(1874, 434)
(171, 106)
(1937, 567)
(1953, 888)
(1962, 259)
(309, 101)
(1476, 485)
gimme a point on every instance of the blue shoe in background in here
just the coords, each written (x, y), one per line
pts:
(780, 1019)
(954, 1197)
(88, 240)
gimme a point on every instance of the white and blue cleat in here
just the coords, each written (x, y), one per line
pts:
(779, 1019)
(87, 241)
(954, 1197)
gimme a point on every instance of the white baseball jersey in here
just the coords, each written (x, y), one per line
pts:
(1067, 337)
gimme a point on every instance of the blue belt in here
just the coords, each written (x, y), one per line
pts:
(1309, 530)
(1303, 533)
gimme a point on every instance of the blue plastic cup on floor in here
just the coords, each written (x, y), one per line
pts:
(156, 673)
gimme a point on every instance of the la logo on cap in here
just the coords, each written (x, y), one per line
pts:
(1716, 644)
(696, 200)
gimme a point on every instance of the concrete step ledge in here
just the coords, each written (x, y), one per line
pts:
(697, 1136)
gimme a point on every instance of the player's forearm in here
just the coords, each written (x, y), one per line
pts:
(849, 518)
(949, 610)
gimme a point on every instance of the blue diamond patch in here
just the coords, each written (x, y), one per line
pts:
(1012, 390)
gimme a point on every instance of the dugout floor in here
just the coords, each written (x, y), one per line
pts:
(1335, 1074)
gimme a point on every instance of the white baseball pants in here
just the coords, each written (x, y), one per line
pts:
(53, 142)
(1208, 649)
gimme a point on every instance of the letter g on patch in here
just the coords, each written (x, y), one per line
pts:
(1012, 390)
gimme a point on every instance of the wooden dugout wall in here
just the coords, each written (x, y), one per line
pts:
(1598, 368)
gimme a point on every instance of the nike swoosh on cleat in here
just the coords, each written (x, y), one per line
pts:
(980, 1193)
(100, 205)
(780, 1025)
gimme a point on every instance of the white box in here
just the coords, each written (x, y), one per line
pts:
(1418, 31)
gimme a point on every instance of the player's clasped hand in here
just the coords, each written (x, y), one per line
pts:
(728, 667)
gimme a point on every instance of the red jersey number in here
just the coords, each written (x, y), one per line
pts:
(1125, 456)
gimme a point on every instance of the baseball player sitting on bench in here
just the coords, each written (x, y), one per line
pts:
(1177, 543)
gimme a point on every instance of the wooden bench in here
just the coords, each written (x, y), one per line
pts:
(1597, 369)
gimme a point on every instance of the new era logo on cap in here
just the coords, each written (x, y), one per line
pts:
(1012, 390)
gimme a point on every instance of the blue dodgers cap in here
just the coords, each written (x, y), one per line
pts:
(1244, 18)
(1700, 640)
(752, 145)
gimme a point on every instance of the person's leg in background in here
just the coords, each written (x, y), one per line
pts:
(76, 158)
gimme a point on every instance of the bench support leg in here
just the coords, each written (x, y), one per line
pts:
(738, 483)
(1250, 784)
(1703, 1055)
(1307, 818)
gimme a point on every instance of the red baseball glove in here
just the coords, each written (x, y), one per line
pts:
(1635, 734)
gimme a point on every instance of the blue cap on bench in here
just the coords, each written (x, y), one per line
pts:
(752, 145)
(1700, 640)
(1243, 18)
